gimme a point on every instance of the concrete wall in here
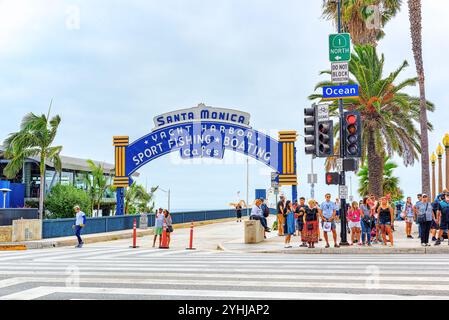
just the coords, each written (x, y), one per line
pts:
(26, 230)
(5, 233)
(7, 216)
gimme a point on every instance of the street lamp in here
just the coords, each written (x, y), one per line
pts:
(446, 145)
(168, 195)
(5, 192)
(440, 152)
(433, 160)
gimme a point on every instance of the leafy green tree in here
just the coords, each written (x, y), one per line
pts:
(137, 198)
(390, 182)
(63, 198)
(97, 183)
(388, 114)
(363, 19)
(35, 139)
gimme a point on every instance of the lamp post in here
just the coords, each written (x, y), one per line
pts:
(168, 195)
(433, 160)
(5, 192)
(440, 152)
(446, 146)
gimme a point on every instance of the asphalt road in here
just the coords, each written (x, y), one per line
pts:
(114, 271)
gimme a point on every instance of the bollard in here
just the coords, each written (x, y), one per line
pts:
(191, 238)
(134, 234)
(164, 242)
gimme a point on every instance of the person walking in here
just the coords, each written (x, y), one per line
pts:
(80, 222)
(354, 217)
(425, 218)
(158, 225)
(238, 212)
(289, 227)
(367, 222)
(443, 218)
(310, 232)
(327, 213)
(386, 220)
(280, 215)
(300, 211)
(169, 226)
(408, 216)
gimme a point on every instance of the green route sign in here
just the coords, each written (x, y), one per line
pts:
(339, 47)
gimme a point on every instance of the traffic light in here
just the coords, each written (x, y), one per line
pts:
(352, 134)
(310, 129)
(332, 178)
(325, 146)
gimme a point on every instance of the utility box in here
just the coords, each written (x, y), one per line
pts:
(26, 230)
(254, 232)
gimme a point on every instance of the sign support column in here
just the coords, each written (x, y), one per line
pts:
(121, 180)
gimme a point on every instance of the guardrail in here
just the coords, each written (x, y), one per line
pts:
(54, 228)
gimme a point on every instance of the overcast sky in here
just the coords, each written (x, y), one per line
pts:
(111, 66)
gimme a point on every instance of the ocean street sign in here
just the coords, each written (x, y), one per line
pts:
(340, 92)
(340, 72)
(339, 47)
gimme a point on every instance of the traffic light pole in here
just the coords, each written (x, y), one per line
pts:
(344, 233)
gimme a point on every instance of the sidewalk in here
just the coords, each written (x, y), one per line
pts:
(275, 244)
(227, 235)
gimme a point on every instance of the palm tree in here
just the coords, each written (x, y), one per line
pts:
(97, 183)
(388, 114)
(414, 10)
(390, 182)
(137, 196)
(359, 17)
(34, 139)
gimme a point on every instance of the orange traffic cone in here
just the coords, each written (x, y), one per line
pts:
(164, 242)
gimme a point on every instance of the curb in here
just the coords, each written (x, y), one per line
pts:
(12, 247)
(429, 250)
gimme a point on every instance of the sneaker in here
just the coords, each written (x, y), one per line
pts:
(437, 243)
(304, 245)
(434, 239)
(423, 245)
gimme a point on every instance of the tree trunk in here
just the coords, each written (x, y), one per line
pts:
(414, 8)
(375, 167)
(41, 196)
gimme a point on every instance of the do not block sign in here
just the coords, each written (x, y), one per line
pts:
(340, 72)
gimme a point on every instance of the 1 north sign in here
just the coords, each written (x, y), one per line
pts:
(340, 92)
(339, 47)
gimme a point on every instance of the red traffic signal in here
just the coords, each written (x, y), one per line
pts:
(332, 178)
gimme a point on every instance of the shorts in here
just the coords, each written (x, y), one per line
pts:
(409, 219)
(354, 224)
(384, 222)
(434, 225)
(158, 231)
(444, 225)
(299, 225)
(333, 225)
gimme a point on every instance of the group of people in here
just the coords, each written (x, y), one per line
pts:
(370, 221)
(163, 220)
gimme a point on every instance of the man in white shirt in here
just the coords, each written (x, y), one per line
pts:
(80, 222)
(158, 226)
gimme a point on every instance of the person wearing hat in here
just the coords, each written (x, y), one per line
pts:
(80, 222)
(443, 217)
(281, 210)
(425, 218)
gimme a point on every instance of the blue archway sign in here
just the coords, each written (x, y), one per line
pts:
(204, 132)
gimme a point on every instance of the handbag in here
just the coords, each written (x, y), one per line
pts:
(170, 229)
(327, 226)
(422, 217)
(309, 226)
